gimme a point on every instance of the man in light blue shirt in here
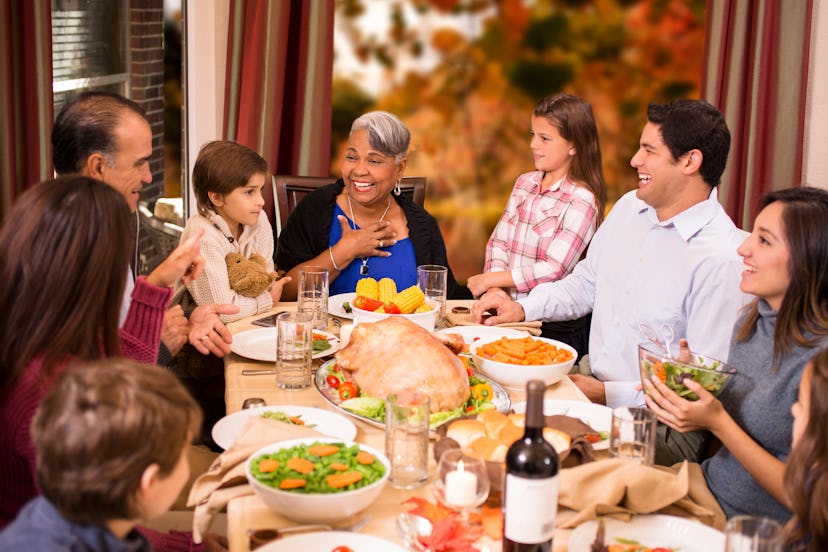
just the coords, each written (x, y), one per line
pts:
(666, 254)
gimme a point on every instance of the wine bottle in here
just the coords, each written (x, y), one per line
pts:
(530, 489)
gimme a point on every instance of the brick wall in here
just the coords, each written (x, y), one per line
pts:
(146, 84)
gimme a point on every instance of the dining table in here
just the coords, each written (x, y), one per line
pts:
(248, 513)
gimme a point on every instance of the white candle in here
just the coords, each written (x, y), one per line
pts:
(345, 334)
(461, 487)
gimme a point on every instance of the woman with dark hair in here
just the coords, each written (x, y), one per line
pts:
(786, 268)
(806, 474)
(63, 253)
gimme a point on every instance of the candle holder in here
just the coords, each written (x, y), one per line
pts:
(463, 482)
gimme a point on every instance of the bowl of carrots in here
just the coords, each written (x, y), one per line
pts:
(513, 361)
(317, 479)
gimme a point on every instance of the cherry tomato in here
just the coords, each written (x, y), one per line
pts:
(343, 549)
(348, 390)
(336, 368)
(470, 408)
(333, 382)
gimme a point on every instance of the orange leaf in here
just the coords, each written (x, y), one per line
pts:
(429, 510)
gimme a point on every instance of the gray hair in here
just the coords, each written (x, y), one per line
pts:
(386, 133)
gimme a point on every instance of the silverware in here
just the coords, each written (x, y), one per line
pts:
(264, 372)
(259, 537)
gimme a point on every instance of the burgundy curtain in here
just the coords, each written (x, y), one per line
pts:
(25, 97)
(756, 72)
(278, 87)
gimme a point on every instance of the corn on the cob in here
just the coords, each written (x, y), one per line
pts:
(409, 299)
(422, 308)
(387, 290)
(368, 287)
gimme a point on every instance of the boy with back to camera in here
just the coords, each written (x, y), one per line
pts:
(111, 440)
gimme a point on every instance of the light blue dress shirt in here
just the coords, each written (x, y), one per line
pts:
(684, 272)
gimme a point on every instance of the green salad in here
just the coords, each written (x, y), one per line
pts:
(286, 418)
(673, 373)
(318, 468)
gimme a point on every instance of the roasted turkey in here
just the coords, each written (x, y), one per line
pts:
(395, 355)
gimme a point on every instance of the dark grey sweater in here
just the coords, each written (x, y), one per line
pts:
(759, 399)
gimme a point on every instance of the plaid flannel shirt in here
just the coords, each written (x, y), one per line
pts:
(541, 235)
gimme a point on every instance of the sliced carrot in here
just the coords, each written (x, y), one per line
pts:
(364, 457)
(300, 465)
(323, 450)
(292, 483)
(296, 420)
(338, 466)
(268, 465)
(339, 480)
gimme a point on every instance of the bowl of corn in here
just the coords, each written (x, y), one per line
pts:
(379, 300)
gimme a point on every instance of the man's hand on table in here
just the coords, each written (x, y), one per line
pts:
(208, 334)
(501, 307)
(591, 387)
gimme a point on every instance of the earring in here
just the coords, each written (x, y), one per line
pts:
(397, 189)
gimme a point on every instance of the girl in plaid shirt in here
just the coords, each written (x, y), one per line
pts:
(553, 211)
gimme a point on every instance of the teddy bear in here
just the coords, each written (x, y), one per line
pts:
(248, 277)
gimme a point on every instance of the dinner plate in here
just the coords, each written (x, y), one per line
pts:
(599, 417)
(674, 532)
(327, 423)
(335, 304)
(500, 399)
(326, 541)
(472, 333)
(260, 344)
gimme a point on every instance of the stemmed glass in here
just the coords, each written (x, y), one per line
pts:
(463, 482)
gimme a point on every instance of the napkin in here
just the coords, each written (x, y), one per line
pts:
(621, 488)
(467, 319)
(225, 479)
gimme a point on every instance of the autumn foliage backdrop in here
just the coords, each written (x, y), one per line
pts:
(469, 112)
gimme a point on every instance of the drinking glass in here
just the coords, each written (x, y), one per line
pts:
(312, 296)
(753, 534)
(633, 434)
(463, 481)
(294, 349)
(432, 280)
(406, 439)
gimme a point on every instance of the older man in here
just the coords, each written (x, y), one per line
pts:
(666, 254)
(108, 137)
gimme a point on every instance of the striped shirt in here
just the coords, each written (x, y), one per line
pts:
(541, 235)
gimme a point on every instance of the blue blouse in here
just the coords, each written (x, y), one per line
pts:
(401, 266)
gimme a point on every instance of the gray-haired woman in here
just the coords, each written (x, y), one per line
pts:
(360, 226)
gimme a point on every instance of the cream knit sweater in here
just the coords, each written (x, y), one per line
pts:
(213, 285)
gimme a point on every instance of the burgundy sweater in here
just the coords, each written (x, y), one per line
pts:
(140, 336)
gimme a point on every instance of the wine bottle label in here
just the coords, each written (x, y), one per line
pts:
(530, 508)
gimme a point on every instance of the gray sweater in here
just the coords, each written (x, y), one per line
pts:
(759, 399)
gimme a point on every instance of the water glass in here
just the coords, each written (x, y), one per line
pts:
(406, 439)
(753, 534)
(633, 434)
(294, 349)
(433, 280)
(312, 296)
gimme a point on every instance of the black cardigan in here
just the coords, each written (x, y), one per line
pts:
(307, 231)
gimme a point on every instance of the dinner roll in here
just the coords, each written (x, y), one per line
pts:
(557, 438)
(494, 422)
(518, 419)
(465, 431)
(488, 449)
